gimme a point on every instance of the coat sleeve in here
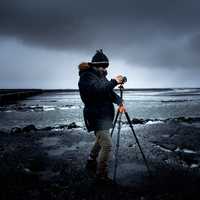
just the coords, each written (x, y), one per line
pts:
(115, 98)
(95, 86)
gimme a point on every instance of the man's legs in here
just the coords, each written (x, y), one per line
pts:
(92, 160)
(102, 145)
(105, 142)
(95, 149)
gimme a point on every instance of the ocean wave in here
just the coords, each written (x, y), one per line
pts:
(69, 107)
(158, 121)
(8, 111)
(176, 101)
(155, 122)
(184, 119)
(37, 108)
(48, 108)
(182, 92)
(48, 101)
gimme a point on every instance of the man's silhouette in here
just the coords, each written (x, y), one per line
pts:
(97, 94)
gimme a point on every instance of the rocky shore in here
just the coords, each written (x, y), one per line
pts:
(50, 163)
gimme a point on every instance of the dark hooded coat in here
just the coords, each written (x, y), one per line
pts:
(97, 94)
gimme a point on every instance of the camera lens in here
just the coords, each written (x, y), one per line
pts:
(124, 79)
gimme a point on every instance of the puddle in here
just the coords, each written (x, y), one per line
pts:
(189, 151)
(162, 148)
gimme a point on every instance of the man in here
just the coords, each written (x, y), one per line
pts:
(97, 94)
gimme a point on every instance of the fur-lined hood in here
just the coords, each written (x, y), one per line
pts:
(83, 66)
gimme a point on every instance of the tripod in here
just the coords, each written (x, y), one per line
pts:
(120, 111)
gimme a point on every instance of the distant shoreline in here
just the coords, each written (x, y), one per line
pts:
(5, 91)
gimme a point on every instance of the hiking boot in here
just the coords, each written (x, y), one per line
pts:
(91, 166)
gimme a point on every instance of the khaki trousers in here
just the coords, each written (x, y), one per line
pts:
(102, 146)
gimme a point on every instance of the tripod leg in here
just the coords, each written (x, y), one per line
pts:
(117, 148)
(115, 121)
(137, 141)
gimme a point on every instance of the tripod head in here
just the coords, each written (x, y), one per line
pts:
(121, 86)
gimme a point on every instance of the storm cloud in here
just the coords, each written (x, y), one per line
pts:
(156, 33)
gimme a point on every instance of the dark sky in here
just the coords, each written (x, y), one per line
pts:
(155, 43)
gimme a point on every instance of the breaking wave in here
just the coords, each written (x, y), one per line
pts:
(37, 108)
(158, 121)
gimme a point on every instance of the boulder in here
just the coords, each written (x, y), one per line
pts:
(16, 130)
(137, 121)
(48, 128)
(72, 125)
(29, 128)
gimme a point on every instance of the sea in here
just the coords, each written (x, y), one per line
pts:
(56, 108)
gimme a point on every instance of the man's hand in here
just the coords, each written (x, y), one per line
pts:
(119, 79)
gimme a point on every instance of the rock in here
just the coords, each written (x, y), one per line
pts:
(188, 158)
(63, 126)
(137, 121)
(27, 170)
(16, 130)
(169, 146)
(72, 125)
(19, 108)
(68, 105)
(184, 119)
(48, 128)
(29, 128)
(194, 165)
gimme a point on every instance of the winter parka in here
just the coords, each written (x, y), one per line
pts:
(97, 94)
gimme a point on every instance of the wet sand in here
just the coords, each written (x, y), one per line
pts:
(50, 164)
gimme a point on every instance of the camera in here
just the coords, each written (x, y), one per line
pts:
(124, 80)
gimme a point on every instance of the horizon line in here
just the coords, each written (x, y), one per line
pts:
(136, 88)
